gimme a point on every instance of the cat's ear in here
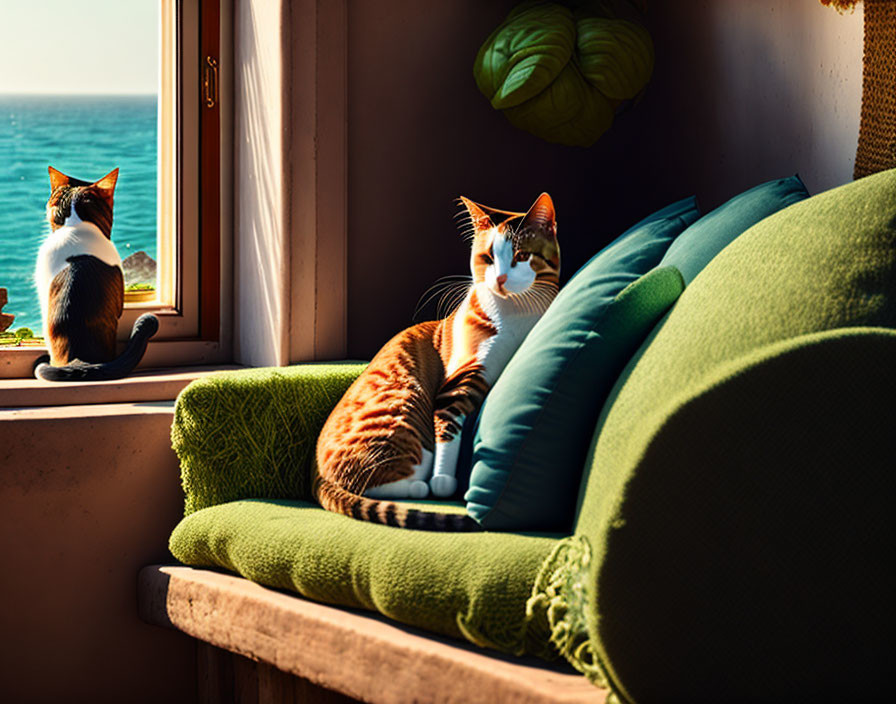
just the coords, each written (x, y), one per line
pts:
(481, 220)
(57, 178)
(541, 216)
(107, 182)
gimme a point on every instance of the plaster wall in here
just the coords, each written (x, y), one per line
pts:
(89, 496)
(743, 91)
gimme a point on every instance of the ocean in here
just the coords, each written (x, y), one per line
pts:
(84, 137)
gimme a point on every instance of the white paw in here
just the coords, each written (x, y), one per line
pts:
(418, 490)
(443, 485)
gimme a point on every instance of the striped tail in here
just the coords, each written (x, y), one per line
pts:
(334, 498)
(144, 328)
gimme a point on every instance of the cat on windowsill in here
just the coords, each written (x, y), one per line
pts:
(81, 286)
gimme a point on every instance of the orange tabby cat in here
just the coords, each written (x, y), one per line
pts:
(396, 431)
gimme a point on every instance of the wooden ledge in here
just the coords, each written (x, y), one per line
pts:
(357, 654)
(144, 385)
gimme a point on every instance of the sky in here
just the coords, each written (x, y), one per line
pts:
(79, 46)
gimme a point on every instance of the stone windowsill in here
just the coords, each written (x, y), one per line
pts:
(141, 386)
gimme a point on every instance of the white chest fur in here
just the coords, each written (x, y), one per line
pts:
(74, 239)
(513, 324)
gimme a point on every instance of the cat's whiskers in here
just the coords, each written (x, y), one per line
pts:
(452, 298)
(539, 289)
(465, 224)
(453, 282)
(537, 297)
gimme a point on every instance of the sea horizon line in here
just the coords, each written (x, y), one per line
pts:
(19, 94)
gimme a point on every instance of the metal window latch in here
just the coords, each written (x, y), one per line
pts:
(210, 81)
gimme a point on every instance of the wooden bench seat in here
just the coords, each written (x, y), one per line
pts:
(357, 654)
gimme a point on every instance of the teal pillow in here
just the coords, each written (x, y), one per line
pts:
(635, 251)
(697, 245)
(686, 208)
(541, 412)
(643, 248)
(537, 420)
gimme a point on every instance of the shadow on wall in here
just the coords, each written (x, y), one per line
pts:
(258, 258)
(743, 91)
(758, 90)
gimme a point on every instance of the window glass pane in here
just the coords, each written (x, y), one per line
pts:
(79, 92)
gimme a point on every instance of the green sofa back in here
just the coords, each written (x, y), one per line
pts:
(737, 492)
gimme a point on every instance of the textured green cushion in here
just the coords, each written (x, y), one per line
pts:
(252, 433)
(694, 248)
(536, 421)
(471, 585)
(751, 440)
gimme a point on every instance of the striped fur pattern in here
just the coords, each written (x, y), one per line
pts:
(81, 286)
(395, 434)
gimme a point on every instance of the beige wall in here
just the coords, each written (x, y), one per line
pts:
(89, 495)
(359, 123)
(289, 181)
(750, 89)
(744, 91)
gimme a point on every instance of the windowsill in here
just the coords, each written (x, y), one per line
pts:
(141, 386)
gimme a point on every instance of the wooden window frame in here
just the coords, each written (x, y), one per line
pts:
(190, 314)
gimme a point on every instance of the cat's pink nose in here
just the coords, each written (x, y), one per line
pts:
(502, 279)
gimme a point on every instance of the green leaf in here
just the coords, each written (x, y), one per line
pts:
(557, 69)
(615, 56)
(570, 111)
(525, 54)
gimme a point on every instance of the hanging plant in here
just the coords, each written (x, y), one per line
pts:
(841, 5)
(561, 69)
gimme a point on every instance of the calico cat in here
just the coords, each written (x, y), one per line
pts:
(81, 286)
(396, 431)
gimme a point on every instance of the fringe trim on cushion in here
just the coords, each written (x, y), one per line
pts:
(519, 639)
(559, 602)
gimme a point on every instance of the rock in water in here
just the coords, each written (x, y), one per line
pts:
(139, 268)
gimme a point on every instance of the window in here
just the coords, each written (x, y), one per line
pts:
(148, 102)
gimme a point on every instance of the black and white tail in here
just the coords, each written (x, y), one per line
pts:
(144, 328)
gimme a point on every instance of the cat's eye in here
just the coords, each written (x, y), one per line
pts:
(487, 258)
(521, 256)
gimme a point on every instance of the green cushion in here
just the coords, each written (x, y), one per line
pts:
(751, 440)
(252, 433)
(470, 585)
(537, 420)
(697, 245)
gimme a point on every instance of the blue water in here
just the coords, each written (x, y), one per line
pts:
(85, 137)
